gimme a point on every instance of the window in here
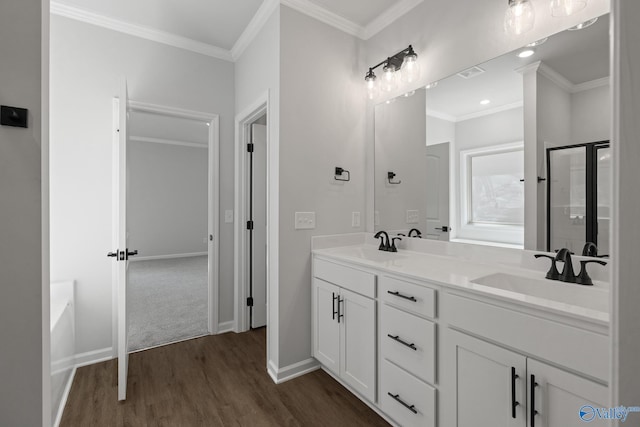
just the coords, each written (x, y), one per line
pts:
(492, 195)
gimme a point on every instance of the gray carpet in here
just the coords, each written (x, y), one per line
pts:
(167, 301)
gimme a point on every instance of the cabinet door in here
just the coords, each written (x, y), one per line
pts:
(326, 329)
(357, 364)
(490, 387)
(563, 399)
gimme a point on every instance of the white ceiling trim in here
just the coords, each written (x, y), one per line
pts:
(388, 17)
(490, 111)
(605, 81)
(441, 116)
(326, 16)
(140, 31)
(258, 21)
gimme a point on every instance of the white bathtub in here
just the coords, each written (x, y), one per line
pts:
(62, 346)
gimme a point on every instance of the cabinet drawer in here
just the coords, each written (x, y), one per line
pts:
(358, 281)
(408, 341)
(409, 296)
(414, 403)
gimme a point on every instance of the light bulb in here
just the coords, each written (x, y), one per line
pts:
(410, 70)
(389, 77)
(519, 17)
(566, 7)
(371, 84)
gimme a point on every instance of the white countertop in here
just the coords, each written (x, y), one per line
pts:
(582, 302)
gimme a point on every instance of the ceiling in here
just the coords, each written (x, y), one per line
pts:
(219, 24)
(576, 57)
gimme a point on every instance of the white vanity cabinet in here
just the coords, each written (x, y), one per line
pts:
(344, 319)
(407, 348)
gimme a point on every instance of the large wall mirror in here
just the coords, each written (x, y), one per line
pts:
(510, 152)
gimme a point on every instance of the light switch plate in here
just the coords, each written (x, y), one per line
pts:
(305, 220)
(413, 216)
(355, 219)
(228, 216)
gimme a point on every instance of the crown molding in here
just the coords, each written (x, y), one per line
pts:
(441, 116)
(323, 15)
(258, 21)
(488, 112)
(556, 77)
(140, 31)
(388, 17)
(581, 87)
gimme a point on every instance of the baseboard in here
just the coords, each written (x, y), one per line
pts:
(280, 375)
(63, 401)
(226, 327)
(170, 256)
(95, 356)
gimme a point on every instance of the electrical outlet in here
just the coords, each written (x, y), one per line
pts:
(355, 219)
(228, 216)
(305, 220)
(413, 216)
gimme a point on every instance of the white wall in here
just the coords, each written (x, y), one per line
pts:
(87, 63)
(591, 115)
(400, 137)
(440, 130)
(625, 333)
(321, 126)
(167, 199)
(21, 296)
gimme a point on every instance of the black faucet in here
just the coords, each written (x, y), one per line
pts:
(567, 274)
(418, 233)
(553, 273)
(590, 249)
(393, 244)
(384, 241)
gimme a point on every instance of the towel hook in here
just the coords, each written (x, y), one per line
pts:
(390, 176)
(338, 172)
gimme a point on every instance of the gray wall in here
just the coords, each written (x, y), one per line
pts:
(87, 63)
(591, 115)
(321, 126)
(167, 199)
(21, 277)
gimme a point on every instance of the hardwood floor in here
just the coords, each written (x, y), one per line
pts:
(210, 381)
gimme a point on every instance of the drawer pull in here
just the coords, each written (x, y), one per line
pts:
(396, 397)
(397, 338)
(398, 294)
(334, 305)
(514, 402)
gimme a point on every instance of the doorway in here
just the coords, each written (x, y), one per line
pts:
(251, 218)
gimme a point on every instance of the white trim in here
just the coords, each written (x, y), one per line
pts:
(94, 356)
(490, 111)
(388, 17)
(169, 256)
(256, 24)
(224, 327)
(166, 141)
(65, 397)
(172, 111)
(170, 343)
(242, 121)
(323, 15)
(143, 32)
(593, 84)
(280, 375)
(441, 116)
(555, 77)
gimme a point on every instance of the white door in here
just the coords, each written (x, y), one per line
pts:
(326, 333)
(562, 399)
(357, 316)
(437, 186)
(490, 384)
(122, 248)
(259, 247)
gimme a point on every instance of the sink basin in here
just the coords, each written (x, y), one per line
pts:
(369, 253)
(591, 297)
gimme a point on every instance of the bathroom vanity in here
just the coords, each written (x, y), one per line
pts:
(448, 334)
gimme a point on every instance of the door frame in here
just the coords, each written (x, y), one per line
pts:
(213, 204)
(243, 122)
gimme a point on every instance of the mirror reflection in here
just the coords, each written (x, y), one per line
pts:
(510, 152)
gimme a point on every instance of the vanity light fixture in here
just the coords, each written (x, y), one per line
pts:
(401, 66)
(519, 17)
(526, 53)
(583, 25)
(566, 7)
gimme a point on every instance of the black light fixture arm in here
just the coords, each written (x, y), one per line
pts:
(395, 60)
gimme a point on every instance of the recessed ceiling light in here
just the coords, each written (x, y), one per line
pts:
(485, 102)
(583, 25)
(390, 101)
(431, 85)
(526, 53)
(537, 42)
